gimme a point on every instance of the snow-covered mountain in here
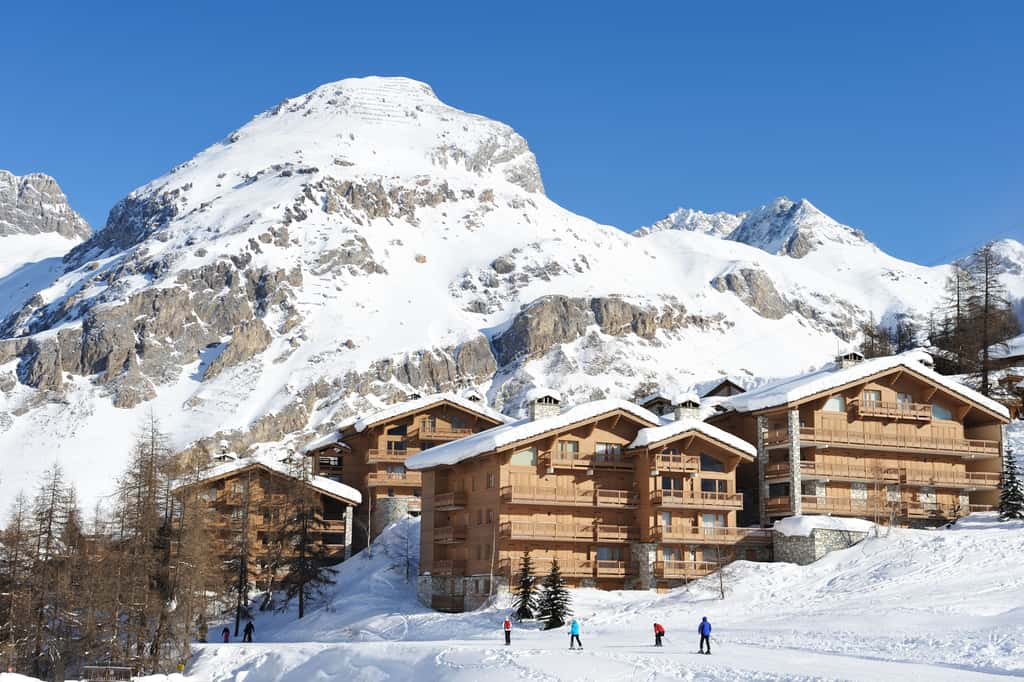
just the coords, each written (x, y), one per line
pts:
(719, 224)
(366, 239)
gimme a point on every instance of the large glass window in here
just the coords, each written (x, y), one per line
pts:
(713, 485)
(608, 452)
(836, 403)
(609, 554)
(671, 483)
(527, 457)
(904, 398)
(397, 431)
(709, 463)
(941, 412)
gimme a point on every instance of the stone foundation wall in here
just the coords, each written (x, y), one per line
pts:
(797, 549)
(388, 511)
(458, 593)
(643, 554)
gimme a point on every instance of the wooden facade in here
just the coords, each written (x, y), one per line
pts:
(247, 503)
(370, 455)
(612, 515)
(894, 446)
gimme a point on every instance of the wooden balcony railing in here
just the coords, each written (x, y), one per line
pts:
(947, 479)
(448, 567)
(541, 566)
(585, 460)
(614, 569)
(688, 464)
(912, 475)
(377, 456)
(684, 569)
(896, 411)
(565, 532)
(449, 501)
(449, 535)
(391, 478)
(711, 535)
(970, 448)
(615, 533)
(699, 500)
(431, 431)
(569, 497)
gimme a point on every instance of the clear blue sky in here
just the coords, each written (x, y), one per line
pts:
(904, 119)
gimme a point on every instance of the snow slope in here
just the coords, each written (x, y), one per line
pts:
(935, 605)
(367, 239)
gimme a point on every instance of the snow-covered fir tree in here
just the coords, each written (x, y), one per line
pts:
(524, 601)
(555, 604)
(1011, 497)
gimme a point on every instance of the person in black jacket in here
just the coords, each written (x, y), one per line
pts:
(247, 632)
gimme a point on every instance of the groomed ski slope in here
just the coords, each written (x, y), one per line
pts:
(910, 605)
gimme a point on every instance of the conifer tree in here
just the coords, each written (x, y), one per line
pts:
(555, 603)
(305, 561)
(524, 601)
(1011, 496)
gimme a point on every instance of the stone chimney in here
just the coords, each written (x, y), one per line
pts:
(849, 359)
(687, 406)
(543, 402)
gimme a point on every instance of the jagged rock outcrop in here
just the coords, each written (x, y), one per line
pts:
(755, 289)
(248, 339)
(35, 204)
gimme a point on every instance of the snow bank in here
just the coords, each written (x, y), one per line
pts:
(803, 525)
(502, 436)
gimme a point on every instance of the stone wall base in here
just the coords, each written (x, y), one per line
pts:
(797, 549)
(458, 593)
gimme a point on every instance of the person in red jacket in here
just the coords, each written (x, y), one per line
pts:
(659, 632)
(507, 625)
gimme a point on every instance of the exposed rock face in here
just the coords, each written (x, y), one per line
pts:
(248, 339)
(35, 204)
(792, 228)
(755, 289)
(720, 224)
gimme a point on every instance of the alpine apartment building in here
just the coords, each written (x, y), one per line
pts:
(618, 495)
(369, 453)
(886, 439)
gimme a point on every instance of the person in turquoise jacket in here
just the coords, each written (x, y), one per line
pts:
(705, 635)
(574, 634)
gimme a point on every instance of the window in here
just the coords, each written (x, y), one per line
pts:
(709, 463)
(666, 520)
(491, 480)
(330, 461)
(479, 517)
(527, 457)
(904, 398)
(670, 483)
(568, 449)
(608, 452)
(391, 492)
(872, 396)
(609, 554)
(490, 516)
(836, 403)
(778, 490)
(671, 554)
(712, 520)
(941, 412)
(713, 485)
(456, 422)
(396, 446)
(396, 430)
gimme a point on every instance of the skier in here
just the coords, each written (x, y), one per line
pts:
(659, 632)
(247, 632)
(507, 625)
(574, 634)
(705, 635)
(225, 635)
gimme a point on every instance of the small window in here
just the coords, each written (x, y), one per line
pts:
(479, 517)
(396, 446)
(609, 554)
(491, 480)
(941, 412)
(836, 403)
(391, 492)
(569, 449)
(872, 396)
(671, 554)
(416, 492)
(713, 485)
(778, 490)
(709, 463)
(904, 398)
(527, 457)
(490, 516)
(396, 430)
(670, 483)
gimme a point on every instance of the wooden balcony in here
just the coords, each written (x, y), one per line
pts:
(968, 480)
(585, 460)
(378, 456)
(710, 535)
(394, 478)
(686, 464)
(541, 566)
(429, 431)
(449, 501)
(864, 440)
(891, 411)
(696, 500)
(568, 497)
(615, 533)
(614, 569)
(910, 475)
(448, 567)
(450, 535)
(684, 570)
(941, 510)
(554, 532)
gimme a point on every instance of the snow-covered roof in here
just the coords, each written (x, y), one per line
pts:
(673, 397)
(523, 429)
(539, 392)
(332, 438)
(832, 376)
(804, 525)
(361, 423)
(278, 465)
(1010, 348)
(686, 397)
(657, 434)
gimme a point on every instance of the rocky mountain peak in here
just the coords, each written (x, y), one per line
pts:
(793, 228)
(718, 224)
(34, 204)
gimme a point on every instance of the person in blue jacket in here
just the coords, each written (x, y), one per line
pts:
(574, 634)
(705, 635)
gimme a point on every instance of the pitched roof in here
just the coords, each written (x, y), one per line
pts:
(795, 389)
(1011, 348)
(362, 422)
(523, 429)
(658, 434)
(279, 466)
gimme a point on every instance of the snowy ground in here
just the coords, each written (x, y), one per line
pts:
(924, 605)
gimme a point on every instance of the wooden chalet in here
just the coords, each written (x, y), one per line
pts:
(886, 439)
